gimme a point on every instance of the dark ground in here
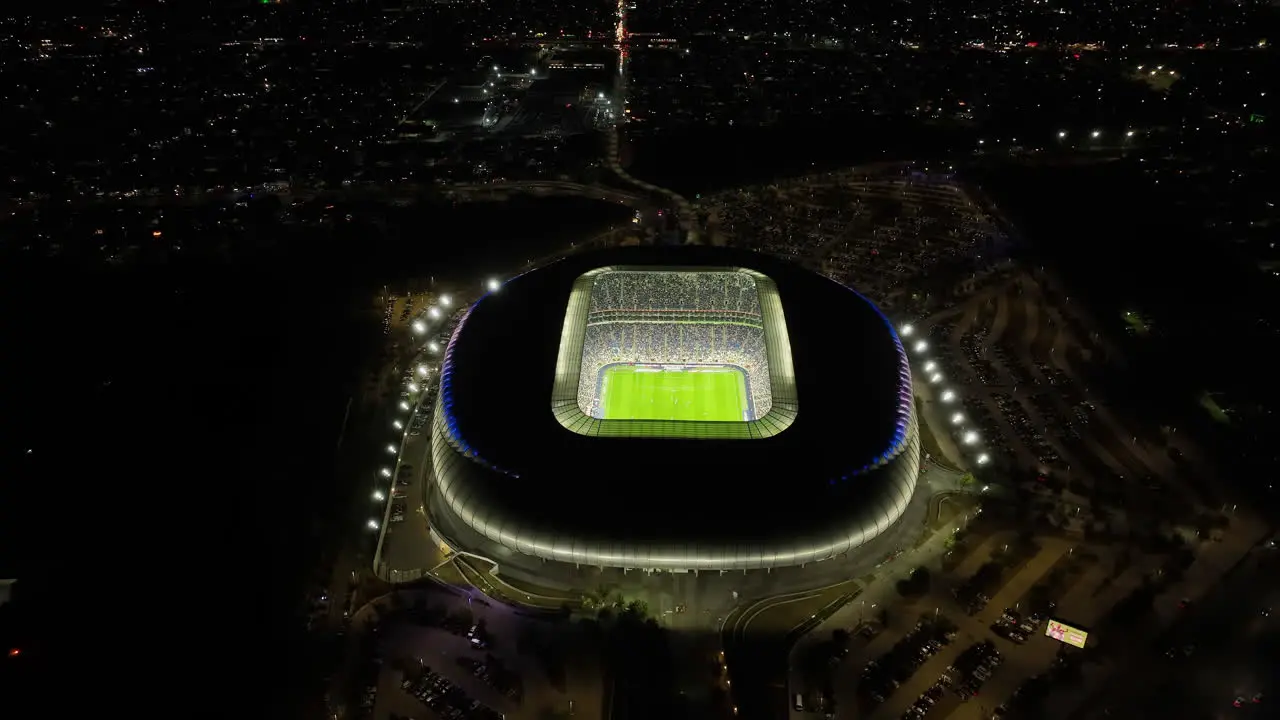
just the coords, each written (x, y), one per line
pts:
(168, 446)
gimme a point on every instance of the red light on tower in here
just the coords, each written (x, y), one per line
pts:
(14, 652)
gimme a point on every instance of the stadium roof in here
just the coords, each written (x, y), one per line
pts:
(845, 468)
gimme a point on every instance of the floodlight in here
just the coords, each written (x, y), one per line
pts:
(433, 347)
(373, 524)
(948, 396)
(935, 378)
(983, 459)
(493, 285)
(397, 424)
(922, 346)
(378, 496)
(906, 330)
(418, 327)
(385, 472)
(957, 418)
(392, 449)
(445, 300)
(434, 312)
(929, 366)
(413, 387)
(970, 437)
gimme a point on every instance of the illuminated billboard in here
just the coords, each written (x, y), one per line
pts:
(1063, 632)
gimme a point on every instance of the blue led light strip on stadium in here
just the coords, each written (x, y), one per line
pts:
(906, 400)
(446, 395)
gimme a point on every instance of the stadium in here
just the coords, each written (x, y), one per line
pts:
(671, 409)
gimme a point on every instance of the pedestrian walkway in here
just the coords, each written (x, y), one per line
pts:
(981, 555)
(1051, 549)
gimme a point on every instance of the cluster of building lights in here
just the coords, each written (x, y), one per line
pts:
(414, 389)
(968, 437)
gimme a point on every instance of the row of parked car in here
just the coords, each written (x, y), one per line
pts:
(882, 677)
(447, 700)
(1013, 626)
(972, 669)
(494, 673)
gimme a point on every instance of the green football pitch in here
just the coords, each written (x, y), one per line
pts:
(628, 392)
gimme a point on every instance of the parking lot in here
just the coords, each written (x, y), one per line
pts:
(1020, 360)
(459, 658)
(901, 238)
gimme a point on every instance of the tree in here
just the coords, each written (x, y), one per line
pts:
(841, 638)
(916, 584)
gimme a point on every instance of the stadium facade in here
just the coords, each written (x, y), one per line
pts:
(531, 460)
